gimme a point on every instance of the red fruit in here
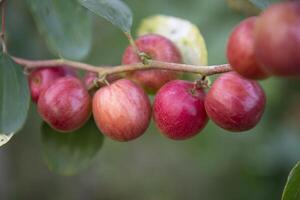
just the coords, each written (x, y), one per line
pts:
(179, 111)
(70, 71)
(277, 39)
(65, 105)
(122, 110)
(42, 78)
(89, 78)
(235, 103)
(158, 48)
(240, 50)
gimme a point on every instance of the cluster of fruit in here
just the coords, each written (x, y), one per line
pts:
(258, 47)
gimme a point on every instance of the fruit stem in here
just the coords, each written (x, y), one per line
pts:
(108, 70)
(144, 58)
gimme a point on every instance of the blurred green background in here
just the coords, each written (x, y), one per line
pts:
(212, 166)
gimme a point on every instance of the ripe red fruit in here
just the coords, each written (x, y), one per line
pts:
(65, 105)
(277, 39)
(70, 71)
(122, 110)
(240, 50)
(158, 48)
(178, 110)
(235, 103)
(42, 78)
(88, 78)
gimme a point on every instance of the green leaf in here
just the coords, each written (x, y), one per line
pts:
(115, 11)
(263, 4)
(14, 98)
(292, 187)
(66, 26)
(68, 153)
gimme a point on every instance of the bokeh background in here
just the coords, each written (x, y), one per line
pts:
(214, 165)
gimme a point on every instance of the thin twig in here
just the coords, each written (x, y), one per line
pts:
(152, 64)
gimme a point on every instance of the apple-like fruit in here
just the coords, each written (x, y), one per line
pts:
(277, 39)
(179, 111)
(122, 110)
(41, 78)
(240, 50)
(235, 103)
(65, 105)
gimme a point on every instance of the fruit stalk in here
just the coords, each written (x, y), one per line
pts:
(152, 64)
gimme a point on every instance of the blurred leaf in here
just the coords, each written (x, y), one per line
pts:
(115, 11)
(14, 97)
(292, 187)
(263, 4)
(66, 26)
(68, 153)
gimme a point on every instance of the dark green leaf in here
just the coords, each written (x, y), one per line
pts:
(263, 4)
(14, 97)
(68, 153)
(66, 26)
(292, 187)
(115, 11)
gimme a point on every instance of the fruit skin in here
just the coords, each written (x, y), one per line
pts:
(235, 103)
(65, 105)
(240, 50)
(41, 78)
(179, 111)
(158, 48)
(277, 39)
(70, 71)
(122, 110)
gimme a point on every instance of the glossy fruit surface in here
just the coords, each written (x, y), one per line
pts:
(42, 78)
(240, 50)
(122, 110)
(158, 48)
(178, 110)
(65, 105)
(235, 103)
(277, 39)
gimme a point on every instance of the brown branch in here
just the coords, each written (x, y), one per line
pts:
(152, 64)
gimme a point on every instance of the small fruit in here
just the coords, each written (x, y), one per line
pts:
(157, 48)
(235, 103)
(65, 105)
(122, 110)
(240, 50)
(277, 39)
(42, 78)
(178, 110)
